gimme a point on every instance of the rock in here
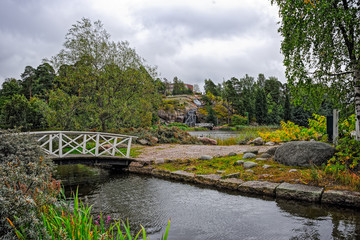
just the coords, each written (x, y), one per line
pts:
(265, 176)
(265, 155)
(136, 164)
(159, 161)
(248, 155)
(161, 173)
(232, 154)
(303, 153)
(182, 175)
(254, 151)
(230, 183)
(218, 155)
(249, 171)
(190, 169)
(272, 151)
(299, 192)
(270, 143)
(220, 172)
(266, 166)
(208, 141)
(142, 170)
(259, 187)
(341, 197)
(106, 146)
(261, 159)
(292, 170)
(210, 179)
(249, 164)
(206, 157)
(143, 141)
(233, 175)
(258, 141)
(239, 163)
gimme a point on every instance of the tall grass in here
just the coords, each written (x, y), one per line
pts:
(76, 222)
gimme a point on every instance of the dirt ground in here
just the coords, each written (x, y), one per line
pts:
(177, 151)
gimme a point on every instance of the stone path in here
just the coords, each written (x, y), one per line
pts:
(177, 151)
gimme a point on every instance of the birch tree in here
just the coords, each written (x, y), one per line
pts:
(321, 44)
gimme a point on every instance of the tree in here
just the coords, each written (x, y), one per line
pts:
(211, 87)
(108, 83)
(260, 106)
(28, 77)
(323, 37)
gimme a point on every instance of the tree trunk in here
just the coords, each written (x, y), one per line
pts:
(357, 100)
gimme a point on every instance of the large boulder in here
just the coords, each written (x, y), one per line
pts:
(303, 153)
(206, 140)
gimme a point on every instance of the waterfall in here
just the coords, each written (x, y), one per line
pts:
(191, 117)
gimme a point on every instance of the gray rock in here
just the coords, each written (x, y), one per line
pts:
(220, 172)
(270, 143)
(341, 197)
(239, 163)
(182, 175)
(233, 175)
(159, 161)
(210, 179)
(261, 159)
(265, 155)
(254, 151)
(249, 164)
(205, 157)
(230, 183)
(143, 141)
(259, 187)
(249, 171)
(232, 154)
(248, 155)
(266, 166)
(299, 192)
(272, 151)
(303, 153)
(161, 173)
(292, 170)
(258, 141)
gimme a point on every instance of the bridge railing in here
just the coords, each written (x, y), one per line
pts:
(63, 143)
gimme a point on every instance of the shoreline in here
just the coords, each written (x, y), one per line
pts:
(298, 192)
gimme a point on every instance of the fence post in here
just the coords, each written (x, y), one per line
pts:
(60, 145)
(128, 148)
(97, 144)
(335, 126)
(84, 144)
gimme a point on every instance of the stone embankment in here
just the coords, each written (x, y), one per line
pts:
(277, 190)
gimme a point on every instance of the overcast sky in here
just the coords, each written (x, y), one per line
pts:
(191, 39)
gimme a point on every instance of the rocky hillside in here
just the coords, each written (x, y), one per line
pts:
(174, 108)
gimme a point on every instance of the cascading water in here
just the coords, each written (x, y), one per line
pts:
(191, 117)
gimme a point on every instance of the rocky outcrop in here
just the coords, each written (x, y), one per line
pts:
(303, 153)
(208, 141)
(299, 192)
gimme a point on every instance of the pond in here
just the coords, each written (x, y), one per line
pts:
(204, 213)
(215, 134)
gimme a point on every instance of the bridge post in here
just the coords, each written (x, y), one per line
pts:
(50, 143)
(84, 144)
(60, 145)
(114, 146)
(128, 148)
(97, 144)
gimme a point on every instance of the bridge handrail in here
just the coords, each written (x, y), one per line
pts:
(78, 143)
(79, 132)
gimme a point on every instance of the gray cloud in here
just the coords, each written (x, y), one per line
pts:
(190, 40)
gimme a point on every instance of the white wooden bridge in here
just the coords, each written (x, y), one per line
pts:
(72, 147)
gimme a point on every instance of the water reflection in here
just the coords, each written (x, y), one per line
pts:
(202, 213)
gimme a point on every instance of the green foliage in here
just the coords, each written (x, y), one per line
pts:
(238, 120)
(211, 116)
(19, 112)
(25, 184)
(291, 132)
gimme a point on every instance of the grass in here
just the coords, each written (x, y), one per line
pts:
(64, 222)
(245, 134)
(315, 176)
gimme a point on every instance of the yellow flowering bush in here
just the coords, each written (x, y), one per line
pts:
(291, 132)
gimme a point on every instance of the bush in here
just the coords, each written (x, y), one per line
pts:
(291, 132)
(25, 184)
(238, 120)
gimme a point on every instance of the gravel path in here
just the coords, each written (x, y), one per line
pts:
(177, 151)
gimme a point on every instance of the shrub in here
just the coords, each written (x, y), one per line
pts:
(25, 184)
(238, 120)
(291, 132)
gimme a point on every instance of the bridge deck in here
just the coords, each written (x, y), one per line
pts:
(91, 160)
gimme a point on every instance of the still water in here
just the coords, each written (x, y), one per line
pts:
(203, 213)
